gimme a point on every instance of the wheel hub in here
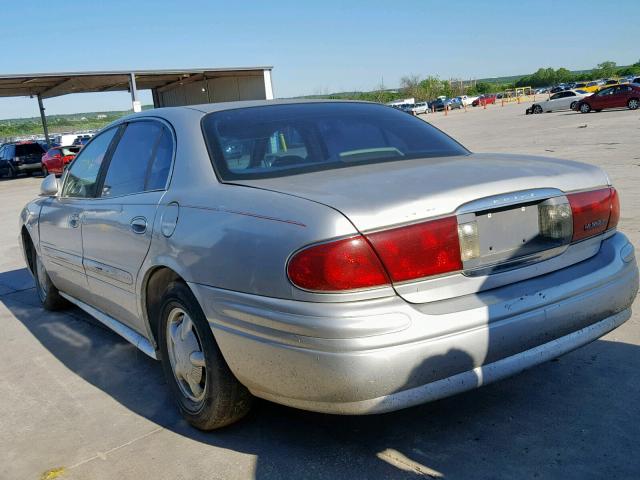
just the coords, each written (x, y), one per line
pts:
(185, 355)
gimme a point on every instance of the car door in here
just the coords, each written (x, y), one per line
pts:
(117, 227)
(565, 101)
(61, 219)
(617, 98)
(601, 99)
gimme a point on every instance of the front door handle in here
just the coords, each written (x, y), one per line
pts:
(139, 225)
(74, 220)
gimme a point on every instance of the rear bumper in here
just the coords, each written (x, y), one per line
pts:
(386, 354)
(27, 167)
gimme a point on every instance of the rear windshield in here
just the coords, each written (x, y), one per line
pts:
(278, 140)
(29, 149)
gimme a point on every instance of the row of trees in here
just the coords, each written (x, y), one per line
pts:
(56, 123)
(431, 87)
(548, 76)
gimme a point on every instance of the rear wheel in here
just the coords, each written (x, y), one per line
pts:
(585, 108)
(633, 103)
(48, 293)
(573, 105)
(45, 171)
(537, 109)
(208, 394)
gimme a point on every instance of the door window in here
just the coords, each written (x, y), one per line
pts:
(605, 92)
(142, 150)
(82, 178)
(161, 163)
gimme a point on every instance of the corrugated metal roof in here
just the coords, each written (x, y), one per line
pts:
(62, 83)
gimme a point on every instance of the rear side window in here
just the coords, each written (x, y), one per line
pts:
(277, 140)
(161, 163)
(141, 160)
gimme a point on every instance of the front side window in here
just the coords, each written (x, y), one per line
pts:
(605, 92)
(82, 177)
(278, 140)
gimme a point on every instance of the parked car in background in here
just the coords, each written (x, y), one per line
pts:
(616, 96)
(21, 157)
(567, 100)
(486, 99)
(405, 107)
(593, 86)
(439, 104)
(56, 159)
(354, 260)
(454, 103)
(421, 108)
(65, 139)
(636, 80)
(82, 139)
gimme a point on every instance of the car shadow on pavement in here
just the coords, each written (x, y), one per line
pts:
(575, 417)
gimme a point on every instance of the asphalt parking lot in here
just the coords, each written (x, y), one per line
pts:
(78, 402)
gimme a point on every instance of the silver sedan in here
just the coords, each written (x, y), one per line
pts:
(338, 257)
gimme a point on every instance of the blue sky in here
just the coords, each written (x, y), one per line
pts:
(314, 46)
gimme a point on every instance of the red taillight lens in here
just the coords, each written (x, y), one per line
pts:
(615, 209)
(67, 158)
(593, 212)
(346, 264)
(420, 250)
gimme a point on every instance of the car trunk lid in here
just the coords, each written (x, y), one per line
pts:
(501, 194)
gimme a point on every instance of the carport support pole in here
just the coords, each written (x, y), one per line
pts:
(43, 117)
(134, 93)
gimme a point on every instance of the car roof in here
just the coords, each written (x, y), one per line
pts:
(223, 106)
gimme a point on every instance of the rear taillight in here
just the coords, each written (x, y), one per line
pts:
(615, 209)
(347, 264)
(594, 212)
(67, 158)
(420, 250)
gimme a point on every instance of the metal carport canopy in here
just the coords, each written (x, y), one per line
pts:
(48, 85)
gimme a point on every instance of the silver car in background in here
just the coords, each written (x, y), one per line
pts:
(338, 257)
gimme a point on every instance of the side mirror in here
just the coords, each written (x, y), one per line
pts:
(49, 186)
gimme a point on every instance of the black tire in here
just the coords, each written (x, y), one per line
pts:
(573, 105)
(633, 103)
(46, 290)
(537, 109)
(224, 399)
(13, 173)
(585, 108)
(45, 171)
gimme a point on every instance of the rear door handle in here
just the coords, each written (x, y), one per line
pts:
(139, 225)
(74, 220)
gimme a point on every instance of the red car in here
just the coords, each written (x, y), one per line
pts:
(616, 96)
(484, 100)
(56, 159)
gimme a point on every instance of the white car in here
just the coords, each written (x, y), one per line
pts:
(466, 101)
(565, 100)
(422, 107)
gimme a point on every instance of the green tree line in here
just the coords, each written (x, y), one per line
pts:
(545, 77)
